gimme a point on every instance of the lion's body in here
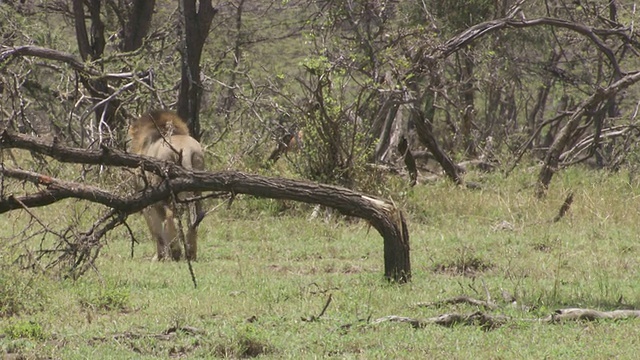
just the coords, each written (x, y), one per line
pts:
(165, 136)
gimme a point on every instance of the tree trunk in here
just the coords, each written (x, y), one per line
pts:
(138, 23)
(467, 95)
(227, 102)
(423, 128)
(195, 26)
(409, 160)
(92, 48)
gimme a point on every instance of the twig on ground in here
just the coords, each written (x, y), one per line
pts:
(566, 205)
(324, 309)
(489, 322)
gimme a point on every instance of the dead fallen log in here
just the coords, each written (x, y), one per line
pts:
(489, 322)
(383, 215)
(483, 320)
(575, 314)
(460, 300)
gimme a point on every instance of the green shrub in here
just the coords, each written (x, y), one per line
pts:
(247, 343)
(18, 294)
(25, 330)
(108, 299)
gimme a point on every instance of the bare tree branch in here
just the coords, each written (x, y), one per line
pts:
(51, 54)
(477, 31)
(57, 190)
(552, 158)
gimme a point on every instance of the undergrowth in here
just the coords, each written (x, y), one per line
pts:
(266, 271)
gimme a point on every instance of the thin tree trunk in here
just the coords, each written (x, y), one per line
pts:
(91, 49)
(195, 26)
(230, 98)
(138, 22)
(467, 95)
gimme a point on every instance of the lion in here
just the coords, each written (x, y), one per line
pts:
(164, 135)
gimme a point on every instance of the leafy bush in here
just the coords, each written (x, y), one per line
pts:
(247, 343)
(25, 330)
(18, 295)
(108, 299)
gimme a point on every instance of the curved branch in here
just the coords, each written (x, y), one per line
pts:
(475, 32)
(105, 156)
(383, 215)
(76, 64)
(55, 191)
(51, 54)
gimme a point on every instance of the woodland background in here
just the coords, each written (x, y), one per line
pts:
(506, 131)
(490, 80)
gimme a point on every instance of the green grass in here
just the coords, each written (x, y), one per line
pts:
(262, 275)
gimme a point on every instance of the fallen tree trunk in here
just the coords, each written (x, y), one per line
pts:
(484, 321)
(574, 314)
(383, 215)
(487, 321)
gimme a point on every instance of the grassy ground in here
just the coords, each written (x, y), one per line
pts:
(263, 279)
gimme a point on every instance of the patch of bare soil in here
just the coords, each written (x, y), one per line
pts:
(243, 348)
(542, 247)
(470, 267)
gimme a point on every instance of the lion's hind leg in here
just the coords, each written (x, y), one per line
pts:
(163, 230)
(154, 222)
(171, 234)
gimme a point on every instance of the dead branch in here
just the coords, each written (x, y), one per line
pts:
(383, 215)
(57, 190)
(489, 322)
(45, 53)
(324, 309)
(477, 31)
(523, 148)
(575, 314)
(566, 205)
(168, 334)
(569, 157)
(9, 53)
(484, 321)
(489, 305)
